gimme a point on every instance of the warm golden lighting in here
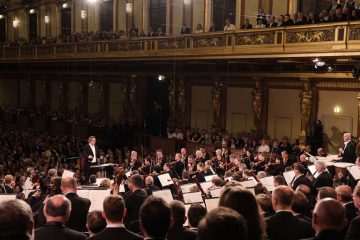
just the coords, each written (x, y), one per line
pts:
(1, 16)
(128, 8)
(15, 23)
(47, 19)
(83, 14)
(32, 11)
(337, 109)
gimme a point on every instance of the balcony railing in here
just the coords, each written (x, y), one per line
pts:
(296, 41)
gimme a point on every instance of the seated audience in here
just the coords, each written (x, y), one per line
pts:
(155, 218)
(322, 177)
(149, 184)
(300, 178)
(228, 25)
(95, 222)
(264, 202)
(243, 201)
(80, 206)
(114, 213)
(57, 212)
(16, 220)
(353, 232)
(284, 225)
(195, 214)
(328, 219)
(326, 192)
(178, 231)
(247, 24)
(344, 196)
(223, 223)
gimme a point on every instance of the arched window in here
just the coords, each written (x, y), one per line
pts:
(2, 30)
(66, 21)
(33, 26)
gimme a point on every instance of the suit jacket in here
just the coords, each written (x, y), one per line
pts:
(79, 210)
(181, 233)
(353, 232)
(349, 154)
(302, 180)
(57, 231)
(88, 152)
(273, 24)
(133, 203)
(323, 180)
(358, 149)
(115, 234)
(8, 189)
(327, 235)
(285, 226)
(150, 189)
(351, 211)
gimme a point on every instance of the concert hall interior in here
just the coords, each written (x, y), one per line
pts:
(180, 119)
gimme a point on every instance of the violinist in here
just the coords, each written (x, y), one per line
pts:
(160, 161)
(219, 163)
(178, 165)
(200, 172)
(230, 164)
(184, 156)
(204, 154)
(135, 163)
(259, 164)
(208, 168)
(149, 185)
(275, 168)
(225, 152)
(146, 165)
(167, 169)
(199, 157)
(191, 164)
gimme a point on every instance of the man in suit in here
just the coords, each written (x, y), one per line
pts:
(184, 29)
(322, 177)
(195, 213)
(80, 206)
(328, 219)
(300, 178)
(353, 232)
(57, 211)
(155, 218)
(284, 225)
(134, 200)
(95, 222)
(91, 153)
(9, 184)
(348, 153)
(114, 212)
(16, 220)
(272, 22)
(135, 163)
(343, 195)
(150, 187)
(178, 231)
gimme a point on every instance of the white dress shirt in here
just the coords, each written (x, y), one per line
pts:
(93, 160)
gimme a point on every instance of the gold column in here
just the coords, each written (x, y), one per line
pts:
(216, 104)
(207, 15)
(305, 109)
(257, 102)
(358, 129)
(132, 99)
(181, 103)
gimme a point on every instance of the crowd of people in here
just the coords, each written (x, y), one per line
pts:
(323, 204)
(335, 13)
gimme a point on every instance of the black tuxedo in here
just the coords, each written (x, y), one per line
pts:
(115, 233)
(302, 180)
(150, 189)
(86, 153)
(349, 154)
(181, 233)
(8, 189)
(351, 211)
(79, 210)
(285, 226)
(328, 235)
(323, 180)
(273, 24)
(57, 231)
(353, 232)
(133, 203)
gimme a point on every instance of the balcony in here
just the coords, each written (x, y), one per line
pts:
(319, 40)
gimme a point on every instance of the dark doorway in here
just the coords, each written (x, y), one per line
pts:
(314, 6)
(2, 30)
(158, 15)
(66, 21)
(106, 16)
(33, 27)
(223, 9)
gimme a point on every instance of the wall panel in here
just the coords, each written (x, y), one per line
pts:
(114, 102)
(8, 92)
(201, 107)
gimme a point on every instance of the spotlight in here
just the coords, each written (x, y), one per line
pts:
(161, 77)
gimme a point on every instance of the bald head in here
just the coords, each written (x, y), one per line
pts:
(68, 185)
(343, 194)
(57, 208)
(328, 214)
(282, 198)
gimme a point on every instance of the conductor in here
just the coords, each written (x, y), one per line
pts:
(91, 153)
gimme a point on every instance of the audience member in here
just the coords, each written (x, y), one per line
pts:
(222, 223)
(344, 196)
(195, 214)
(95, 222)
(353, 232)
(57, 212)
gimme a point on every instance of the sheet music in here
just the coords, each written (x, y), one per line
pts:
(312, 169)
(250, 183)
(165, 180)
(185, 188)
(194, 197)
(187, 206)
(268, 182)
(333, 158)
(5, 197)
(122, 188)
(28, 184)
(355, 172)
(343, 164)
(211, 203)
(209, 178)
(289, 176)
(97, 199)
(215, 193)
(67, 173)
(164, 194)
(206, 185)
